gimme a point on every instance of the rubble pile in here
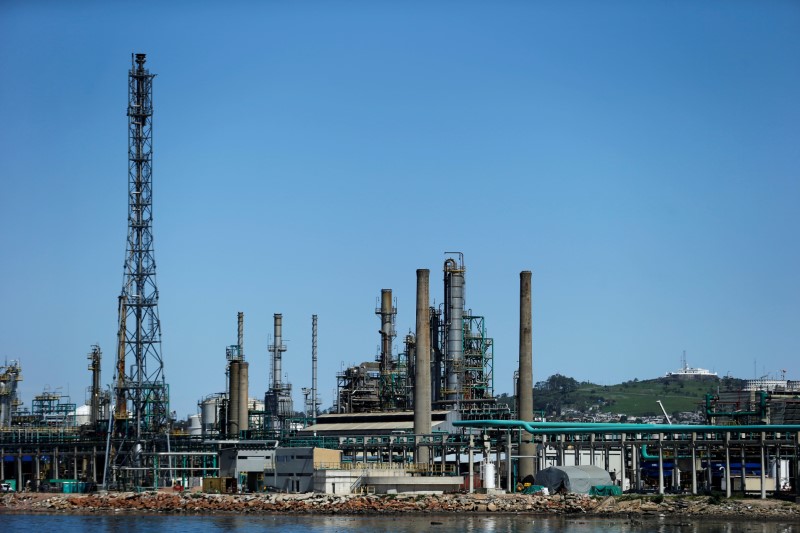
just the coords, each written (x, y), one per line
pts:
(198, 503)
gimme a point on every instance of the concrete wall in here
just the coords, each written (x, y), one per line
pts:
(234, 462)
(335, 481)
(294, 470)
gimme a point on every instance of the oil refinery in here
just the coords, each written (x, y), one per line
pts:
(425, 418)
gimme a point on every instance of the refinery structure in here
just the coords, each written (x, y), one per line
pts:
(424, 418)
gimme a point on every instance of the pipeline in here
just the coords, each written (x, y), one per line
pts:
(573, 428)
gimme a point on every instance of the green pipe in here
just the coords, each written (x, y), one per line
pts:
(651, 457)
(572, 428)
(761, 413)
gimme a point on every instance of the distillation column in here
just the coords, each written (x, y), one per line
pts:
(527, 448)
(278, 398)
(244, 379)
(454, 322)
(94, 394)
(387, 313)
(277, 350)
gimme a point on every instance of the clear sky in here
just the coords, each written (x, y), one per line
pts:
(641, 158)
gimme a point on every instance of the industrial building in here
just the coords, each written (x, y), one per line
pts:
(425, 419)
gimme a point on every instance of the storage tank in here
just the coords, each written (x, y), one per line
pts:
(209, 414)
(488, 475)
(83, 415)
(195, 427)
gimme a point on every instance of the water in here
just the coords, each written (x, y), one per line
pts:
(379, 524)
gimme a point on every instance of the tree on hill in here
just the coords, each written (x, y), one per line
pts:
(553, 394)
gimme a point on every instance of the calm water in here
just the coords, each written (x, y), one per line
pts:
(395, 524)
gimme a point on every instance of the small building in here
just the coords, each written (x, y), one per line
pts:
(247, 465)
(293, 469)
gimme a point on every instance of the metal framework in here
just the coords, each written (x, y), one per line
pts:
(10, 376)
(142, 409)
(478, 360)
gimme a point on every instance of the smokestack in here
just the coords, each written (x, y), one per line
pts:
(314, 367)
(244, 391)
(527, 449)
(422, 367)
(234, 385)
(244, 377)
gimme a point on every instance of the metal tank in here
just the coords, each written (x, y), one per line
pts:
(209, 414)
(195, 426)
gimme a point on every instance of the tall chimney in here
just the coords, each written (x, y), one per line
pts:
(234, 386)
(314, 367)
(527, 449)
(422, 367)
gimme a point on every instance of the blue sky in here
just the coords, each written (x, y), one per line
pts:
(641, 158)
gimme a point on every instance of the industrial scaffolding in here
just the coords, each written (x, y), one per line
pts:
(141, 415)
(462, 360)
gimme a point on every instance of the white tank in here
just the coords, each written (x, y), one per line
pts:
(210, 414)
(488, 476)
(83, 415)
(195, 429)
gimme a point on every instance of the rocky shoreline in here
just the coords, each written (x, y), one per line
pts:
(571, 504)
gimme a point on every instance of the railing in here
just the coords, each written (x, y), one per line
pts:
(357, 482)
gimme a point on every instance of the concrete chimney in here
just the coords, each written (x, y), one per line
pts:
(527, 448)
(244, 378)
(422, 366)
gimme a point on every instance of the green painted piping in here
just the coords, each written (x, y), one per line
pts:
(761, 413)
(572, 428)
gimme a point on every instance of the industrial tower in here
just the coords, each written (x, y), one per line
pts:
(141, 415)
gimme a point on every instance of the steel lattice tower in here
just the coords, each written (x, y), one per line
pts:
(142, 399)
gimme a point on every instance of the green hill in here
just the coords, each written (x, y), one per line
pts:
(633, 398)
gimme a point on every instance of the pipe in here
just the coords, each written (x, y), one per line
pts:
(572, 428)
(761, 413)
(422, 366)
(527, 448)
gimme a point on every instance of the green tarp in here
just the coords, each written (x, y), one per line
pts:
(533, 489)
(605, 490)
